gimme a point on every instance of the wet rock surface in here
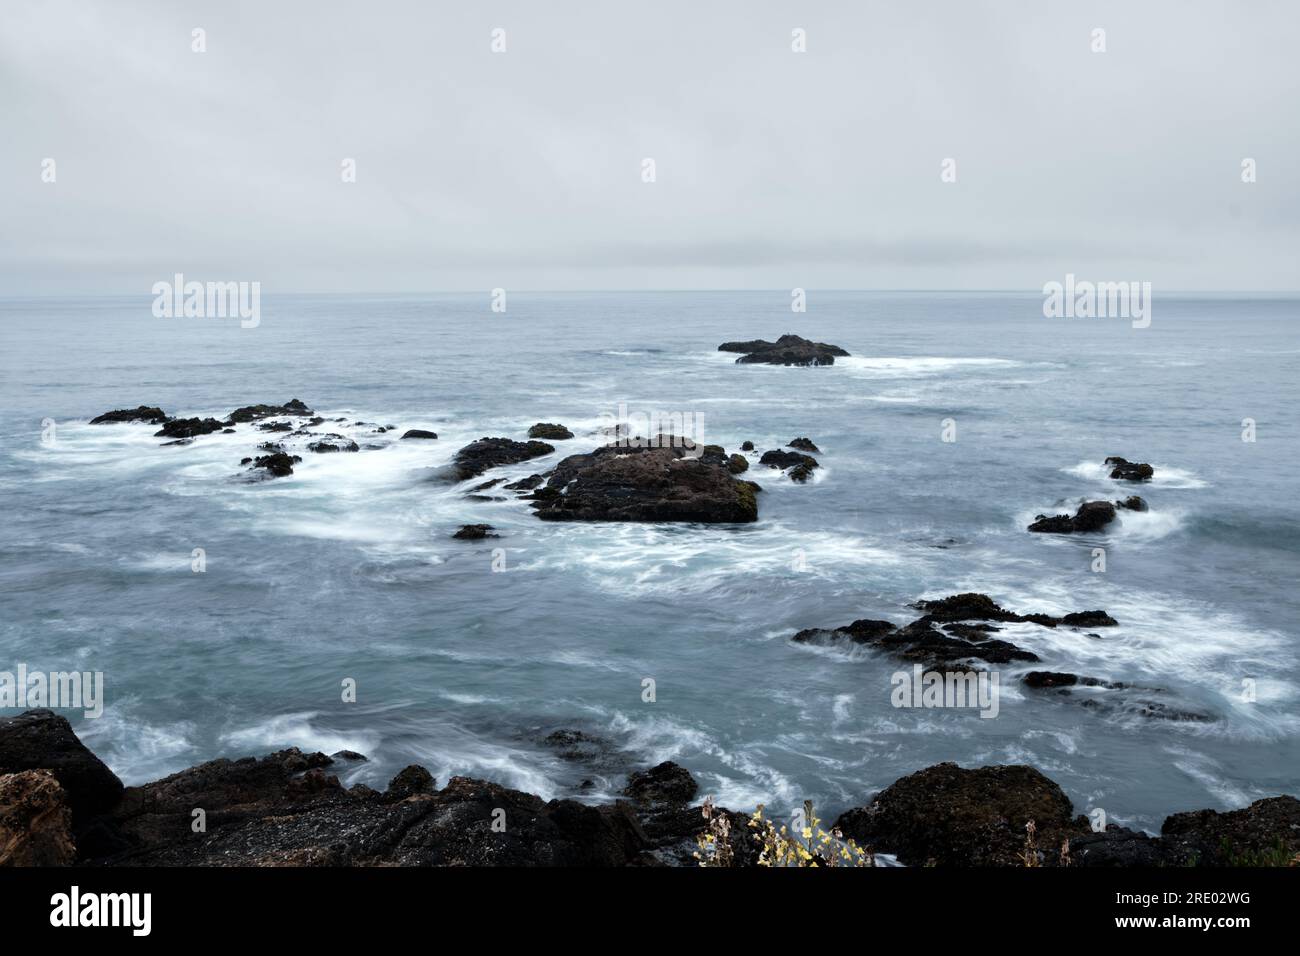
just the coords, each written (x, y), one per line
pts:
(150, 414)
(475, 532)
(1125, 470)
(787, 350)
(188, 428)
(549, 431)
(477, 457)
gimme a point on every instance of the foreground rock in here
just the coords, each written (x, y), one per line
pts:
(660, 480)
(947, 816)
(477, 457)
(35, 821)
(42, 740)
(787, 350)
(144, 413)
(1125, 470)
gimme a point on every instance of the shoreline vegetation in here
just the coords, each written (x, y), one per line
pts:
(61, 805)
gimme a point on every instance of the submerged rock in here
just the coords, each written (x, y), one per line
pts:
(277, 464)
(660, 480)
(475, 532)
(1132, 503)
(332, 443)
(1126, 470)
(477, 457)
(151, 414)
(787, 350)
(188, 428)
(549, 431)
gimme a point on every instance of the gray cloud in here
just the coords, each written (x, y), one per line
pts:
(522, 170)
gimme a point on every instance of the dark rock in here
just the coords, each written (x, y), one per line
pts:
(786, 459)
(249, 413)
(1266, 833)
(35, 821)
(947, 816)
(969, 606)
(747, 446)
(526, 484)
(144, 413)
(1132, 503)
(275, 426)
(350, 755)
(418, 433)
(646, 481)
(804, 444)
(1092, 516)
(42, 740)
(802, 472)
(277, 465)
(475, 532)
(179, 441)
(1119, 847)
(666, 783)
(787, 350)
(488, 484)
(333, 443)
(409, 782)
(1130, 470)
(188, 428)
(477, 457)
(549, 431)
(1089, 619)
(736, 464)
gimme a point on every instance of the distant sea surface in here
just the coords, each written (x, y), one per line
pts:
(347, 568)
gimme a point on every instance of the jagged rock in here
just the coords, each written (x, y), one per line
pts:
(1266, 833)
(151, 414)
(665, 783)
(276, 464)
(1129, 470)
(418, 433)
(43, 740)
(275, 426)
(950, 816)
(35, 821)
(333, 443)
(549, 431)
(249, 413)
(660, 480)
(1091, 516)
(526, 484)
(787, 350)
(475, 532)
(410, 782)
(804, 444)
(188, 428)
(477, 457)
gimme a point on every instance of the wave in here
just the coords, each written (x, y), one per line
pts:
(1165, 476)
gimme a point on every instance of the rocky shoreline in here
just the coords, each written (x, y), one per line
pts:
(60, 805)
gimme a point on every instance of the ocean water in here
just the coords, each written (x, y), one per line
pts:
(347, 568)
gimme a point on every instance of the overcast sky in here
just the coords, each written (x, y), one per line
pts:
(524, 169)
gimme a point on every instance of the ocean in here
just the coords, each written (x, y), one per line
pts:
(466, 655)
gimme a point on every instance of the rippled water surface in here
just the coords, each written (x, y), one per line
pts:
(347, 569)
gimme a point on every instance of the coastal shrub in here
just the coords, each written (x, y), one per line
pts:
(809, 846)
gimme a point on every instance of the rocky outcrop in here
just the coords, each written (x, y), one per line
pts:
(275, 465)
(418, 433)
(477, 457)
(549, 431)
(803, 444)
(1125, 470)
(661, 480)
(151, 414)
(332, 443)
(949, 816)
(737, 464)
(1266, 833)
(475, 532)
(43, 740)
(666, 783)
(800, 465)
(249, 413)
(188, 428)
(787, 350)
(35, 821)
(1091, 516)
